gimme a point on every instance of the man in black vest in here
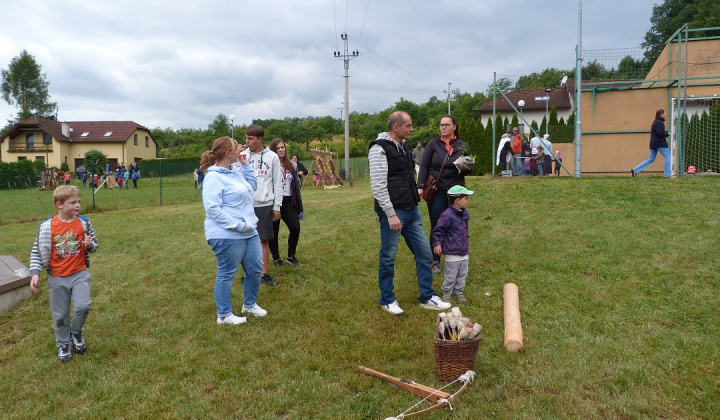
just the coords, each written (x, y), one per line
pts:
(392, 179)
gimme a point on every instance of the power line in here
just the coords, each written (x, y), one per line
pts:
(363, 24)
(435, 82)
(395, 77)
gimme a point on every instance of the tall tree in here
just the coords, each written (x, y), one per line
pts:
(24, 85)
(549, 77)
(671, 15)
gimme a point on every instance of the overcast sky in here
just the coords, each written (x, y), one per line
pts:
(180, 64)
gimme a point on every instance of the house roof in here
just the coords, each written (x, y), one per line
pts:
(559, 98)
(51, 127)
(80, 131)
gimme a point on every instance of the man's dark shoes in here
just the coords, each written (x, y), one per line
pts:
(267, 280)
(278, 261)
(633, 173)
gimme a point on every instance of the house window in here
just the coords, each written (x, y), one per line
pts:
(135, 139)
(22, 158)
(47, 138)
(40, 158)
(108, 134)
(30, 141)
(85, 134)
(147, 142)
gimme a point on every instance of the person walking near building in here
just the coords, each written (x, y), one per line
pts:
(658, 143)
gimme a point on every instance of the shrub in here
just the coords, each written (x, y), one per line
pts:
(17, 175)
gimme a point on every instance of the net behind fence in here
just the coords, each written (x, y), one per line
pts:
(699, 136)
(615, 64)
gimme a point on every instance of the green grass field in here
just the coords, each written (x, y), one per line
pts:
(618, 295)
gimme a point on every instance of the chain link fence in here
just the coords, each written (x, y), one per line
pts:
(159, 183)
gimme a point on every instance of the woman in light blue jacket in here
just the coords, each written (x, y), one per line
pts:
(231, 227)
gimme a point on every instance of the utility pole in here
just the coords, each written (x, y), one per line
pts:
(578, 96)
(448, 91)
(346, 56)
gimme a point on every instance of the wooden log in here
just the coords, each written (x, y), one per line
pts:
(513, 328)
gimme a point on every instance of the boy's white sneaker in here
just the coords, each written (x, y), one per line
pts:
(231, 319)
(436, 304)
(393, 308)
(255, 310)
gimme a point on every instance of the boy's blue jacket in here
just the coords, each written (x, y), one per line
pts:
(228, 197)
(452, 232)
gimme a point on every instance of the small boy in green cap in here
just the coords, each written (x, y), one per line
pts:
(451, 237)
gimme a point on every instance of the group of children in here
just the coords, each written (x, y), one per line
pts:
(64, 241)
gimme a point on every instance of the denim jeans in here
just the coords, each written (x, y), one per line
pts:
(518, 167)
(412, 231)
(435, 209)
(653, 154)
(230, 254)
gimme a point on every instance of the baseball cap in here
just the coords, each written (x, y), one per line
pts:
(459, 190)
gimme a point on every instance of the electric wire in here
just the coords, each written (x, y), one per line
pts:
(365, 48)
(363, 24)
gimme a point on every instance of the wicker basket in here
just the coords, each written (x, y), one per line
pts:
(453, 358)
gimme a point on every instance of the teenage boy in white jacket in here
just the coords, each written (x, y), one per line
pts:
(269, 193)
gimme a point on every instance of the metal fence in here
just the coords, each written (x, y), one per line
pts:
(151, 189)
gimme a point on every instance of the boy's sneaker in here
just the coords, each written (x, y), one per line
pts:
(447, 297)
(267, 280)
(393, 308)
(231, 319)
(292, 260)
(435, 303)
(278, 261)
(78, 343)
(64, 353)
(436, 267)
(254, 310)
(459, 296)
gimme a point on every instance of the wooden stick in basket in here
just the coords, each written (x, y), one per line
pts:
(431, 394)
(513, 328)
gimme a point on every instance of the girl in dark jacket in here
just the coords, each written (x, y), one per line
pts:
(291, 210)
(443, 152)
(658, 143)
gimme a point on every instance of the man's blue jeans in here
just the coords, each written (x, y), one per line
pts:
(653, 154)
(518, 167)
(412, 231)
(230, 254)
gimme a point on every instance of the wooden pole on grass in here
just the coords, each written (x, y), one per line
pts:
(511, 310)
